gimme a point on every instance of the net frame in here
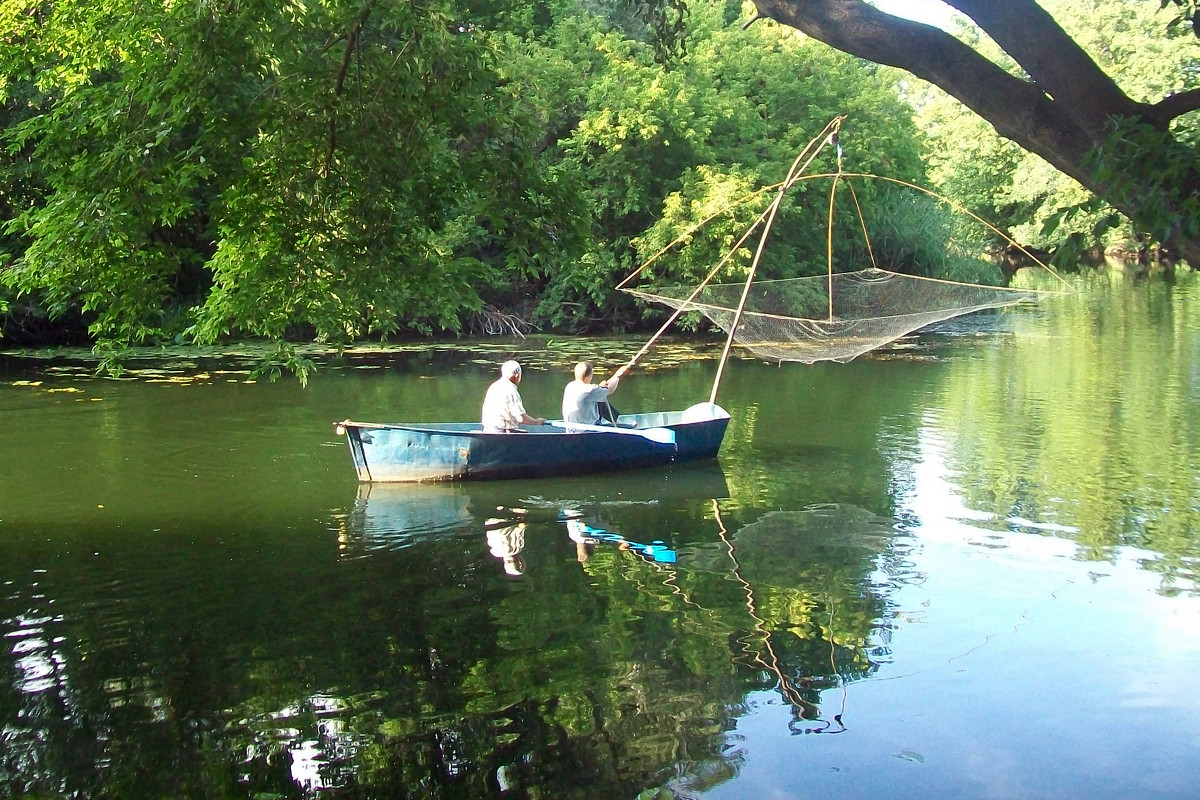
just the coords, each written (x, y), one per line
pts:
(832, 337)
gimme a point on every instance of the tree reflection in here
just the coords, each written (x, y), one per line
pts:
(1089, 429)
(393, 661)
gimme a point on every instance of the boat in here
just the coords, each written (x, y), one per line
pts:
(462, 451)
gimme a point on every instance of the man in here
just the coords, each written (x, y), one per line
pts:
(582, 399)
(502, 406)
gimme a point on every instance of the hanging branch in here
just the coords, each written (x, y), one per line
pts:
(339, 84)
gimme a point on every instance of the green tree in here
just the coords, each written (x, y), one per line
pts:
(660, 150)
(337, 167)
(344, 170)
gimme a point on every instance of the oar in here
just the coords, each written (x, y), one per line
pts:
(660, 435)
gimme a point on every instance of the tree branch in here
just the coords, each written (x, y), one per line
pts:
(1019, 109)
(1175, 105)
(1051, 58)
(351, 44)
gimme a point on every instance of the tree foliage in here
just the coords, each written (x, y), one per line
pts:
(335, 167)
(344, 170)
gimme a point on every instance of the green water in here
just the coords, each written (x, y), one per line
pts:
(963, 566)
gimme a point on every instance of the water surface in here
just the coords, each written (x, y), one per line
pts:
(963, 566)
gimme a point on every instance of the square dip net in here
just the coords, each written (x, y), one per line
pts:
(832, 317)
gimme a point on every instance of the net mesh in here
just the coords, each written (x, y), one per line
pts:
(790, 320)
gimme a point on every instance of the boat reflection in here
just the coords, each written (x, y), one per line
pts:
(393, 516)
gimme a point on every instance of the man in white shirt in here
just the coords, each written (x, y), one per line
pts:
(502, 406)
(582, 398)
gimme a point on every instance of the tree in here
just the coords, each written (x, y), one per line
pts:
(1063, 106)
(1019, 190)
(335, 169)
(347, 169)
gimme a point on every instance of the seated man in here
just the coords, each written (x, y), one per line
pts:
(582, 399)
(502, 406)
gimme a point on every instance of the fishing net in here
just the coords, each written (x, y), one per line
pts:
(795, 320)
(830, 317)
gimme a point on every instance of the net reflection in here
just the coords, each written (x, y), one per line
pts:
(632, 626)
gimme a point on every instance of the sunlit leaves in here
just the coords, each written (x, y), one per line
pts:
(343, 170)
(314, 169)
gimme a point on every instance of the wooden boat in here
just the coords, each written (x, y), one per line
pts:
(459, 451)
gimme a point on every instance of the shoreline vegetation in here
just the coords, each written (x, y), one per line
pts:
(260, 174)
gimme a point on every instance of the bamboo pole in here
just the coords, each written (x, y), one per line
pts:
(796, 168)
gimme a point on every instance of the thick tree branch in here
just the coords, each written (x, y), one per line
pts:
(1051, 58)
(1175, 105)
(1019, 109)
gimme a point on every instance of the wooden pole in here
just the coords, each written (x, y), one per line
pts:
(819, 144)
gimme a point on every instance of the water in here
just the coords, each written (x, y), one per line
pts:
(964, 566)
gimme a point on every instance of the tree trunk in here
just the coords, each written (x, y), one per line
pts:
(1064, 109)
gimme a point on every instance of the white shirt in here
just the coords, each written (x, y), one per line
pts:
(581, 401)
(508, 541)
(502, 406)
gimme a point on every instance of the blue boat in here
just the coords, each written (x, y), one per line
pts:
(460, 451)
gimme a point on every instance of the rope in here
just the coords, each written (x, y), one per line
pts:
(956, 207)
(829, 135)
(674, 316)
(862, 221)
(847, 176)
(829, 239)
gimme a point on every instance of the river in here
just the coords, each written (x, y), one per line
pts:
(962, 566)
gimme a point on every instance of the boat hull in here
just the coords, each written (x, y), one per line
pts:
(392, 453)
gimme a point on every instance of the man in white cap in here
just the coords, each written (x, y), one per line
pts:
(502, 406)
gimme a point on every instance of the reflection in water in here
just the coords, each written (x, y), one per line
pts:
(584, 535)
(612, 666)
(506, 540)
(807, 578)
(390, 516)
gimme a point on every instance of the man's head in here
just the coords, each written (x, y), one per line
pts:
(511, 370)
(583, 371)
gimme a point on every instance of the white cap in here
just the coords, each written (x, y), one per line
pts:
(510, 368)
